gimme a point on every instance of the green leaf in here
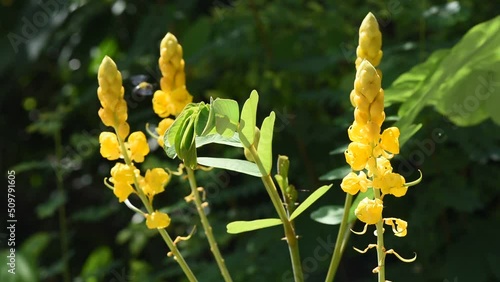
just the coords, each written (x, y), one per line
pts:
(339, 150)
(460, 83)
(310, 200)
(248, 119)
(330, 215)
(201, 120)
(227, 114)
(97, 260)
(265, 149)
(172, 132)
(337, 173)
(233, 141)
(236, 227)
(241, 166)
(368, 194)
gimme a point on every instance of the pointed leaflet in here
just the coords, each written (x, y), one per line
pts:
(246, 128)
(236, 227)
(265, 149)
(330, 215)
(201, 120)
(241, 166)
(310, 200)
(227, 114)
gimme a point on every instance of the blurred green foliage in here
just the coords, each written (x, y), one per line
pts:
(299, 56)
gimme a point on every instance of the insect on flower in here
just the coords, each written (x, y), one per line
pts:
(142, 86)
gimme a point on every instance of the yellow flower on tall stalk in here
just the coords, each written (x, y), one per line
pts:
(173, 96)
(371, 149)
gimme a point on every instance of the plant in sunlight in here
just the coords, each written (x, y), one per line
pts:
(187, 126)
(370, 151)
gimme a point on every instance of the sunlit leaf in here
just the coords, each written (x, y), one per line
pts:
(337, 173)
(236, 227)
(227, 114)
(331, 215)
(248, 119)
(310, 200)
(265, 149)
(241, 166)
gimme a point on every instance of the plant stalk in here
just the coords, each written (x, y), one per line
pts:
(342, 237)
(380, 244)
(164, 234)
(291, 238)
(206, 226)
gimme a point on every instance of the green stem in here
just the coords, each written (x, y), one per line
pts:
(291, 238)
(63, 229)
(380, 244)
(206, 226)
(164, 234)
(342, 236)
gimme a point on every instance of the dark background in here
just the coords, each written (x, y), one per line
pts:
(299, 55)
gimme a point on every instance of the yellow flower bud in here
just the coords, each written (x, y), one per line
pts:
(367, 81)
(157, 220)
(123, 130)
(110, 89)
(369, 211)
(389, 140)
(370, 41)
(110, 148)
(357, 155)
(353, 183)
(138, 146)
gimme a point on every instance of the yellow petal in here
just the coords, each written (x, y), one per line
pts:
(157, 220)
(138, 146)
(110, 148)
(369, 211)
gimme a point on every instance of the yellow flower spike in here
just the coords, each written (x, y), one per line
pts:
(399, 228)
(110, 89)
(162, 128)
(369, 211)
(357, 133)
(173, 96)
(370, 41)
(122, 190)
(357, 155)
(353, 183)
(138, 146)
(110, 148)
(389, 140)
(155, 179)
(392, 252)
(157, 220)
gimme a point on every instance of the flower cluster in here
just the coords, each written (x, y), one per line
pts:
(125, 176)
(370, 150)
(173, 95)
